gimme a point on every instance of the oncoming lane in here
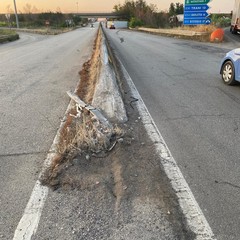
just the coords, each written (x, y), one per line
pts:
(35, 73)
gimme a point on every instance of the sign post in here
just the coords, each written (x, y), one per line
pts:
(195, 12)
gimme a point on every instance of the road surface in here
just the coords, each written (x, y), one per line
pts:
(231, 39)
(196, 113)
(180, 84)
(35, 73)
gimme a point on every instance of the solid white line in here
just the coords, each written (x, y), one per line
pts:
(30, 219)
(195, 219)
(27, 227)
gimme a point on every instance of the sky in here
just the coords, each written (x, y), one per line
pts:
(217, 6)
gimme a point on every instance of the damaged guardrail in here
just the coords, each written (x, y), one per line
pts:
(89, 126)
(95, 112)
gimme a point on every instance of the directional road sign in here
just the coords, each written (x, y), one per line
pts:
(196, 8)
(197, 1)
(195, 12)
(200, 21)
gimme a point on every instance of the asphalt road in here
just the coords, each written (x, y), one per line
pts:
(196, 113)
(35, 73)
(231, 38)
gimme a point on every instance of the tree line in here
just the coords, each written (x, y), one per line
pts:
(139, 13)
(51, 19)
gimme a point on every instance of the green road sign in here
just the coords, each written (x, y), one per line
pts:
(196, 2)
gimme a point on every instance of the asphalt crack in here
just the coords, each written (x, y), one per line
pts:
(192, 116)
(22, 154)
(228, 183)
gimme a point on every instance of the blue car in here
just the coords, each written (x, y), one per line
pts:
(230, 67)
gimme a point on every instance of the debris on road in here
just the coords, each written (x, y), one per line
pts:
(120, 188)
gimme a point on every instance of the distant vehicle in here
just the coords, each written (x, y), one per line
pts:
(112, 27)
(235, 23)
(230, 67)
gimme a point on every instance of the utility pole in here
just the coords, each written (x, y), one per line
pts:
(16, 15)
(77, 6)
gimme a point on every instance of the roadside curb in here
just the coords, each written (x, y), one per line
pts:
(177, 33)
(174, 32)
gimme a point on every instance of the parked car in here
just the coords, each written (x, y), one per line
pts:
(230, 67)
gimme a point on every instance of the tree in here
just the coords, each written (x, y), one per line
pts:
(161, 19)
(175, 9)
(76, 19)
(179, 8)
(172, 10)
(135, 22)
(138, 13)
(127, 9)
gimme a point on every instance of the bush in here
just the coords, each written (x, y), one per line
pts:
(220, 20)
(3, 24)
(135, 22)
(223, 22)
(8, 35)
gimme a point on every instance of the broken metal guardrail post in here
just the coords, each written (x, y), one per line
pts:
(95, 112)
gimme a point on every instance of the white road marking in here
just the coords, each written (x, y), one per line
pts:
(30, 219)
(27, 227)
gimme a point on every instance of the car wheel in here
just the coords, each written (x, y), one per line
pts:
(228, 75)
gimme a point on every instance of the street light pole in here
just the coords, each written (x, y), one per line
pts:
(16, 15)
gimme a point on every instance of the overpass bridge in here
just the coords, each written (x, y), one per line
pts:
(99, 15)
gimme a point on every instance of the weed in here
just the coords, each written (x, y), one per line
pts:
(200, 28)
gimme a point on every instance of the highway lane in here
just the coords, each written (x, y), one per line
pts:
(231, 39)
(35, 73)
(196, 113)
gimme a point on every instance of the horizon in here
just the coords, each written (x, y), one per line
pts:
(73, 6)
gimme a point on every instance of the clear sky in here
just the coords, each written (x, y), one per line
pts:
(100, 5)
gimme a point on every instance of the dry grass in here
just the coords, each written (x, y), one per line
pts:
(72, 134)
(66, 133)
(83, 135)
(91, 135)
(7, 32)
(90, 73)
(200, 28)
(118, 131)
(206, 31)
